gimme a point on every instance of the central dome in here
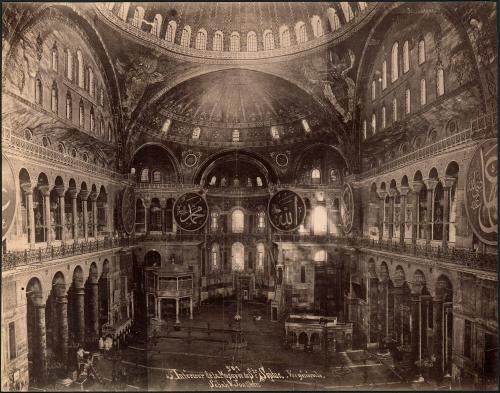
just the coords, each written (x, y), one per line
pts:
(236, 99)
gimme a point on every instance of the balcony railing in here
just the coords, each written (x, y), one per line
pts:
(457, 256)
(171, 237)
(480, 127)
(13, 259)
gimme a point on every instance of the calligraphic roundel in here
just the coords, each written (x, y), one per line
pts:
(9, 196)
(286, 210)
(128, 210)
(190, 211)
(481, 192)
(347, 208)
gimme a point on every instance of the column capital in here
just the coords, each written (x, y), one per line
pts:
(431, 184)
(382, 194)
(79, 291)
(27, 188)
(393, 192)
(403, 191)
(62, 299)
(73, 193)
(44, 189)
(416, 288)
(84, 195)
(448, 181)
(163, 203)
(93, 196)
(60, 190)
(417, 186)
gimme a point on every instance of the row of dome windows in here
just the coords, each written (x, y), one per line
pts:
(75, 69)
(235, 136)
(54, 107)
(234, 39)
(423, 101)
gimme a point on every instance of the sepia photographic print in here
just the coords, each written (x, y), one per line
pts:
(253, 196)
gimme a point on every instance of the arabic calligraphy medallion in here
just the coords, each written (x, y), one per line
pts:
(347, 208)
(9, 196)
(286, 210)
(481, 192)
(190, 211)
(128, 210)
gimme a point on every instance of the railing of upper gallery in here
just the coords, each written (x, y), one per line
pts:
(458, 256)
(13, 259)
(483, 126)
(29, 148)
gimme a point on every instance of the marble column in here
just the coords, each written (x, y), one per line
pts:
(84, 195)
(28, 190)
(438, 331)
(392, 197)
(62, 316)
(163, 205)
(147, 212)
(177, 311)
(41, 338)
(158, 309)
(94, 311)
(79, 317)
(402, 213)
(46, 213)
(431, 185)
(191, 308)
(447, 184)
(417, 187)
(415, 326)
(382, 194)
(62, 212)
(398, 302)
(93, 199)
(73, 194)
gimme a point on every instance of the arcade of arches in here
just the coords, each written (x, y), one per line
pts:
(325, 169)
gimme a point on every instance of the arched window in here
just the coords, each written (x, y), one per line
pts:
(362, 5)
(38, 92)
(92, 120)
(275, 133)
(54, 98)
(186, 36)
(306, 127)
(69, 64)
(155, 29)
(81, 117)
(261, 253)
(196, 133)
(374, 90)
(81, 70)
(300, 32)
(218, 44)
(320, 256)
(333, 18)
(284, 37)
(213, 181)
(237, 257)
(101, 127)
(302, 274)
(123, 11)
(237, 221)
(316, 176)
(69, 106)
(374, 123)
(407, 101)
(91, 82)
(421, 51)
(440, 80)
(101, 96)
(268, 40)
(156, 176)
(55, 58)
(261, 223)
(110, 132)
(215, 256)
(201, 40)
(166, 126)
(138, 17)
(259, 181)
(236, 136)
(251, 41)
(384, 75)
(347, 10)
(145, 175)
(406, 57)
(214, 220)
(234, 42)
(383, 120)
(395, 62)
(317, 26)
(319, 220)
(394, 109)
(364, 129)
(171, 29)
(423, 92)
